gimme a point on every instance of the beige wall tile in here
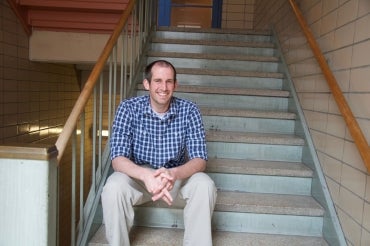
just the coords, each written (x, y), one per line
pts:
(352, 230)
(329, 22)
(362, 30)
(352, 157)
(360, 57)
(364, 7)
(366, 223)
(360, 79)
(351, 204)
(347, 12)
(336, 125)
(365, 238)
(342, 59)
(359, 104)
(333, 168)
(354, 180)
(344, 35)
(329, 6)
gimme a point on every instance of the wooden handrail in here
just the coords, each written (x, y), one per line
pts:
(86, 92)
(354, 128)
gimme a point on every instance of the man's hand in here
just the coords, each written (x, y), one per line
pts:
(167, 181)
(159, 183)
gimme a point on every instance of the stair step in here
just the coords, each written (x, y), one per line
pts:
(247, 113)
(214, 56)
(258, 203)
(225, 81)
(249, 49)
(232, 73)
(269, 152)
(244, 202)
(272, 168)
(255, 138)
(244, 212)
(145, 236)
(223, 31)
(198, 61)
(227, 91)
(211, 42)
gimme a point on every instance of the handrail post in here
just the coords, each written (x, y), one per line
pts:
(29, 193)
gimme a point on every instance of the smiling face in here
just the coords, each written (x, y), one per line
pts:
(161, 87)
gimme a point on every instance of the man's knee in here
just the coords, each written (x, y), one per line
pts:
(201, 182)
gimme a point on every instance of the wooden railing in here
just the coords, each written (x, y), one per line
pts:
(83, 143)
(353, 126)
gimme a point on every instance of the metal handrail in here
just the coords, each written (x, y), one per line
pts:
(82, 100)
(353, 126)
(112, 79)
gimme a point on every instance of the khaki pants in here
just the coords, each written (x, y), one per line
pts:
(121, 193)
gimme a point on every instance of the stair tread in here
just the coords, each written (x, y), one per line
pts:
(173, 236)
(228, 90)
(217, 30)
(259, 203)
(212, 42)
(267, 203)
(250, 137)
(214, 56)
(238, 73)
(255, 167)
(247, 113)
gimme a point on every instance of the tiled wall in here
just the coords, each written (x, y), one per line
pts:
(237, 14)
(35, 100)
(342, 30)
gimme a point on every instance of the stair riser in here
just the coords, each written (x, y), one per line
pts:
(262, 184)
(254, 66)
(268, 223)
(213, 36)
(237, 102)
(248, 124)
(237, 222)
(212, 49)
(254, 151)
(226, 81)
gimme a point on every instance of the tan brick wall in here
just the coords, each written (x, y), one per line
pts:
(341, 28)
(35, 100)
(238, 14)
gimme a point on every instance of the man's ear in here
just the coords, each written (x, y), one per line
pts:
(146, 84)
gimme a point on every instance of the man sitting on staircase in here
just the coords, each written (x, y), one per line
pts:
(158, 152)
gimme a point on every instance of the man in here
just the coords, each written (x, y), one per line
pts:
(158, 152)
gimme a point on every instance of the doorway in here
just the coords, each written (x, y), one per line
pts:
(190, 13)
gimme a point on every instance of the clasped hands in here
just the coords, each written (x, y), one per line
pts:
(159, 183)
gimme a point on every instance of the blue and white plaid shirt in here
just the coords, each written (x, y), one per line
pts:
(141, 135)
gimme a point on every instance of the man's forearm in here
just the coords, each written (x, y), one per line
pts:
(188, 169)
(126, 166)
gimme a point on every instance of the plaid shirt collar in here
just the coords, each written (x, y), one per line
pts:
(173, 110)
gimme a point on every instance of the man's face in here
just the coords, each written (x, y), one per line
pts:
(161, 88)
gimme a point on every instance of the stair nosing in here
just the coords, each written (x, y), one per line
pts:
(237, 31)
(213, 42)
(142, 235)
(214, 72)
(209, 111)
(266, 204)
(258, 167)
(253, 138)
(215, 56)
(228, 91)
(258, 203)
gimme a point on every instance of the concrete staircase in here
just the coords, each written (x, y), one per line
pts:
(255, 155)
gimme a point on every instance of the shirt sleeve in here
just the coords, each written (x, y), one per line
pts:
(196, 140)
(121, 137)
